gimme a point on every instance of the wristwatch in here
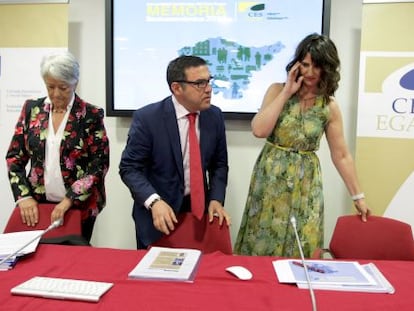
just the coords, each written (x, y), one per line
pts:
(153, 202)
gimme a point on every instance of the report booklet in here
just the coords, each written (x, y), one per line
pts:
(8, 263)
(333, 275)
(13, 241)
(12, 246)
(382, 285)
(167, 264)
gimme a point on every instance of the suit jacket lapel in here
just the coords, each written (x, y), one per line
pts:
(71, 131)
(170, 121)
(43, 124)
(203, 135)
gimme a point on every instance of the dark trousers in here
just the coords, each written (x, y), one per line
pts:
(87, 228)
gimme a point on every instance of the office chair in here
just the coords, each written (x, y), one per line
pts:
(379, 238)
(202, 235)
(70, 233)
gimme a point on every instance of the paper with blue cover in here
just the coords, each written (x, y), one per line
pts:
(13, 241)
(8, 263)
(13, 245)
(322, 272)
(382, 285)
(333, 275)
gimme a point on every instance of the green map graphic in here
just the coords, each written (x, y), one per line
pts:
(231, 64)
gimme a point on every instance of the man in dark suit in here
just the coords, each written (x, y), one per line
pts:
(155, 162)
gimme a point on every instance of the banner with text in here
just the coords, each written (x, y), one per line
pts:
(385, 126)
(28, 32)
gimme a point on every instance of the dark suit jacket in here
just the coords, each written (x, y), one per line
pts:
(152, 161)
(84, 155)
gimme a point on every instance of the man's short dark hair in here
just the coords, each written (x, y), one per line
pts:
(176, 68)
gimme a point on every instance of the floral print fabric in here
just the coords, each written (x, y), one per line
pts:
(286, 181)
(84, 155)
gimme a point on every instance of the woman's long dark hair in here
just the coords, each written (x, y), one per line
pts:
(325, 56)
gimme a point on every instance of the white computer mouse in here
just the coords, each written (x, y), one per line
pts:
(240, 272)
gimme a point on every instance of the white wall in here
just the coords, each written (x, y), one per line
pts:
(114, 227)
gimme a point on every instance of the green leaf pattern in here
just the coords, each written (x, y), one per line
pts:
(286, 181)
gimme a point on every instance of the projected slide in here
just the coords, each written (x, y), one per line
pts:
(247, 45)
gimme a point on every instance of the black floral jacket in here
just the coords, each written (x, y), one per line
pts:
(84, 155)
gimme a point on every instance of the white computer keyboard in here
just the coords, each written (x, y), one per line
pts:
(59, 288)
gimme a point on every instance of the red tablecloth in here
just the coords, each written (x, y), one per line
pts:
(213, 288)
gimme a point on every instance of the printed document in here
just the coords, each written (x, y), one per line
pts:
(169, 264)
(11, 242)
(382, 285)
(322, 272)
(333, 275)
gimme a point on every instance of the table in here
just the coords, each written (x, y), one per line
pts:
(213, 288)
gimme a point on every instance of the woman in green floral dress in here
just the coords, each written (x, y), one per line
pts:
(286, 179)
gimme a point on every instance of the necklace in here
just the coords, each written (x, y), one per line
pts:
(306, 103)
(59, 110)
(309, 98)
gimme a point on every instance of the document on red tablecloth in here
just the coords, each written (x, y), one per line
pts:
(7, 264)
(16, 244)
(329, 272)
(13, 241)
(167, 264)
(382, 284)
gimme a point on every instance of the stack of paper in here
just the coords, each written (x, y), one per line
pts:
(333, 275)
(169, 264)
(16, 244)
(8, 263)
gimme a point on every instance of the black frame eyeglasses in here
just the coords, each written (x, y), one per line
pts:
(200, 84)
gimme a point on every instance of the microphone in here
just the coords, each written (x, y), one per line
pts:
(52, 226)
(305, 267)
(55, 224)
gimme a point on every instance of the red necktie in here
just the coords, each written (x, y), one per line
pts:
(196, 172)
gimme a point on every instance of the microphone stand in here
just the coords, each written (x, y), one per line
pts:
(312, 294)
(54, 225)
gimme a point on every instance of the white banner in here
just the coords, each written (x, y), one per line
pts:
(33, 30)
(385, 126)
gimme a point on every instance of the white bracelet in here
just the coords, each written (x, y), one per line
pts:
(358, 196)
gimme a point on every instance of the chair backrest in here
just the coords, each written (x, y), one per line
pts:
(203, 235)
(71, 225)
(378, 238)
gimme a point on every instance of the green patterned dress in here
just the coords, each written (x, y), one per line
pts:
(286, 181)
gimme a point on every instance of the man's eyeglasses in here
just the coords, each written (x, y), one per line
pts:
(201, 84)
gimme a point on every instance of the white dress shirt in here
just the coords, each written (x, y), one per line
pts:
(54, 185)
(183, 125)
